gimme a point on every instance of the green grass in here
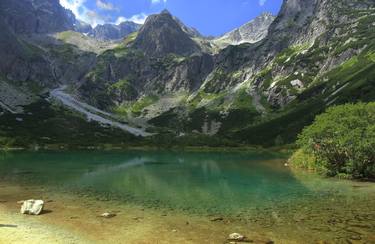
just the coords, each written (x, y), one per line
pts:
(202, 95)
(44, 124)
(242, 100)
(288, 54)
(142, 103)
(130, 38)
(136, 107)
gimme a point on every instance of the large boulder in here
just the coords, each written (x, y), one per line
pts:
(32, 207)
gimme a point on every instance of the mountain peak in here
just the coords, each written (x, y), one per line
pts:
(165, 11)
(162, 34)
(108, 32)
(266, 14)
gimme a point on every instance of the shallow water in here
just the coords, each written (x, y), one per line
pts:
(246, 187)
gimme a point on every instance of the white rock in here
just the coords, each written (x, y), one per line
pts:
(108, 215)
(32, 207)
(297, 84)
(236, 237)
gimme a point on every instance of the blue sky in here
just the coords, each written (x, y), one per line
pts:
(210, 17)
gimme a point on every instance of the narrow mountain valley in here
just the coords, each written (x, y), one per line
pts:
(260, 84)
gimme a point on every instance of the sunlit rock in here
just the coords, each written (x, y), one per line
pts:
(236, 237)
(32, 207)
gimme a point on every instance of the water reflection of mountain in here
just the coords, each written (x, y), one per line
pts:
(208, 180)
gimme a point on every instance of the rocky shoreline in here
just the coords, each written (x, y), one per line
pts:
(79, 219)
(72, 219)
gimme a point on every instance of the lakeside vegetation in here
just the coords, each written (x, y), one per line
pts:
(341, 142)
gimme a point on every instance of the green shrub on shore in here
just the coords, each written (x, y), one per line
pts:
(301, 159)
(6, 142)
(341, 142)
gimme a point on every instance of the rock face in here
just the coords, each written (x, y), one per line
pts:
(28, 54)
(32, 207)
(114, 32)
(82, 27)
(36, 16)
(153, 67)
(250, 32)
(162, 35)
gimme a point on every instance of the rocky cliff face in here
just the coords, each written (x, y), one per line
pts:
(162, 35)
(82, 27)
(114, 32)
(303, 31)
(30, 56)
(301, 27)
(36, 16)
(250, 32)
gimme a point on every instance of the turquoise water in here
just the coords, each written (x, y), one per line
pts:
(248, 186)
(200, 182)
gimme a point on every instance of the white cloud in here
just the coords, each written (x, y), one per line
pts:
(74, 5)
(138, 18)
(158, 1)
(105, 5)
(82, 12)
(94, 19)
(262, 2)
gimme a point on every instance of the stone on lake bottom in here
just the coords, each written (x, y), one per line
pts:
(32, 207)
(236, 237)
(107, 215)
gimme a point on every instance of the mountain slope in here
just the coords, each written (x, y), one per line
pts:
(36, 17)
(250, 32)
(285, 79)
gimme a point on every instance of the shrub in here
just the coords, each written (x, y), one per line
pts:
(342, 140)
(6, 142)
(301, 159)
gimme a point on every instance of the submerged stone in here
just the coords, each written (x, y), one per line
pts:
(236, 237)
(108, 215)
(32, 207)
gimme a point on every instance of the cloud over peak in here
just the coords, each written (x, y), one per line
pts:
(138, 18)
(158, 1)
(82, 12)
(102, 4)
